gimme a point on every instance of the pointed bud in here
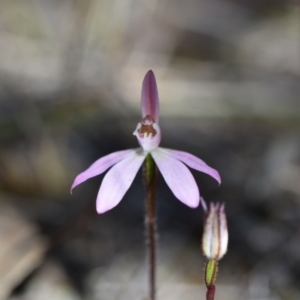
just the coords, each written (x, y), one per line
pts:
(150, 102)
(215, 235)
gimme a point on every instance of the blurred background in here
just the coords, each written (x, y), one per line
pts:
(70, 80)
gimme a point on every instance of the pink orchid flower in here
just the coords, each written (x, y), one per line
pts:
(125, 164)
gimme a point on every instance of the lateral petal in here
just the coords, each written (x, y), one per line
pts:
(101, 165)
(178, 177)
(118, 180)
(193, 162)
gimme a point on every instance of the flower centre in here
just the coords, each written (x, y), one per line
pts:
(148, 134)
(146, 128)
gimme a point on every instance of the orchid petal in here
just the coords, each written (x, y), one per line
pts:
(118, 180)
(101, 165)
(193, 162)
(150, 102)
(178, 177)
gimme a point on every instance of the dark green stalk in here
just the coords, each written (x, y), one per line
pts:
(150, 221)
(211, 270)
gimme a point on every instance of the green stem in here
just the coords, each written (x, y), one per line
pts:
(150, 221)
(211, 270)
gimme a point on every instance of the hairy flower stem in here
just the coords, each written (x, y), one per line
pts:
(210, 294)
(150, 221)
(211, 270)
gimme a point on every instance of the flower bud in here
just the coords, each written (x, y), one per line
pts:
(215, 235)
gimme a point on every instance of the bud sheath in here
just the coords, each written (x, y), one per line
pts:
(211, 270)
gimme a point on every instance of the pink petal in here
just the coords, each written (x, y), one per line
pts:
(101, 165)
(193, 162)
(118, 180)
(178, 177)
(150, 102)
